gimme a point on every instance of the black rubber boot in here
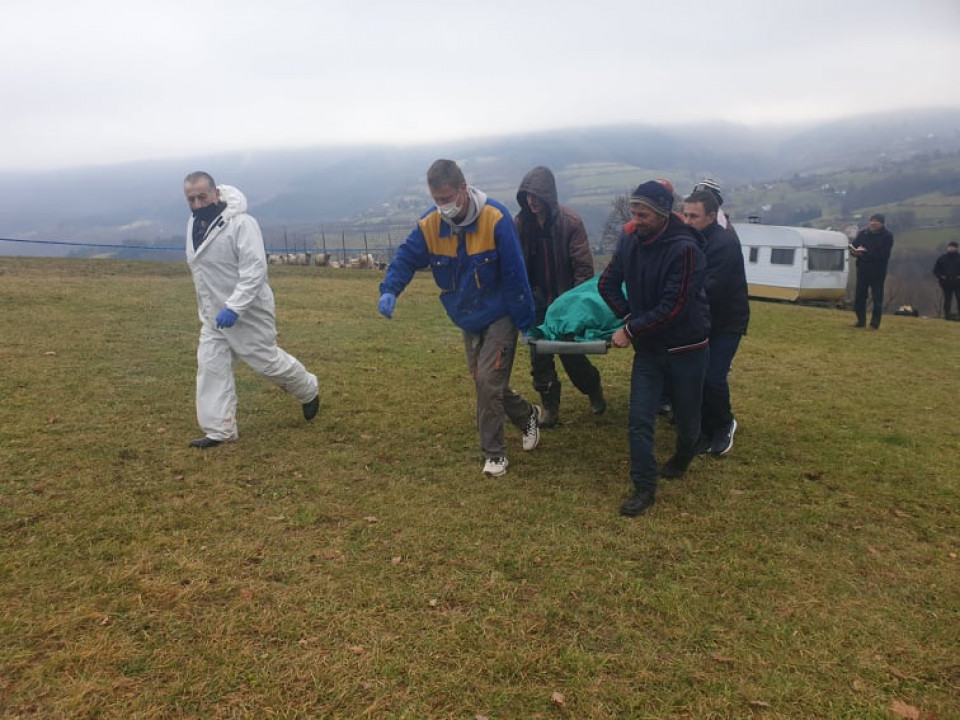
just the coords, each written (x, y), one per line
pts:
(551, 406)
(598, 404)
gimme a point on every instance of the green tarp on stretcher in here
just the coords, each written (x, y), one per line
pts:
(578, 315)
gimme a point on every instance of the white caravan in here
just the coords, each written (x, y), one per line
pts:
(794, 263)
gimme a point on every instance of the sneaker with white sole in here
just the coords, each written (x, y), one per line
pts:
(531, 428)
(495, 466)
(723, 440)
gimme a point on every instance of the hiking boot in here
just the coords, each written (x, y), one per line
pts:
(675, 467)
(638, 503)
(704, 444)
(723, 442)
(531, 428)
(311, 408)
(495, 466)
(550, 411)
(205, 443)
(598, 404)
(549, 418)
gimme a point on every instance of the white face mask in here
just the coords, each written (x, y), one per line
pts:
(449, 211)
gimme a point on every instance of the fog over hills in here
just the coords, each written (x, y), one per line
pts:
(325, 185)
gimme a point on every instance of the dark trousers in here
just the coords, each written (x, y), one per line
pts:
(869, 280)
(584, 376)
(716, 412)
(650, 369)
(950, 290)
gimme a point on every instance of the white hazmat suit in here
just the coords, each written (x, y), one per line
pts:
(229, 269)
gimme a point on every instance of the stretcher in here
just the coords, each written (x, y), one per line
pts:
(578, 322)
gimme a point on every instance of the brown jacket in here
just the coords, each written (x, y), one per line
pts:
(557, 255)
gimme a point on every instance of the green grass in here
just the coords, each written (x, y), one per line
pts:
(361, 566)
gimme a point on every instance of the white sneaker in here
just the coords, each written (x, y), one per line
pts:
(531, 428)
(495, 466)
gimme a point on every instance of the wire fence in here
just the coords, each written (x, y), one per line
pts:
(330, 244)
(337, 244)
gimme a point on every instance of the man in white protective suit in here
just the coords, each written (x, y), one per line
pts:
(229, 267)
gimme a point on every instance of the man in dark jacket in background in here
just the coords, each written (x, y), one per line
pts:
(947, 271)
(667, 321)
(872, 250)
(557, 255)
(726, 286)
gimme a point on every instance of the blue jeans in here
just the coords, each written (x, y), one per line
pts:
(685, 372)
(716, 412)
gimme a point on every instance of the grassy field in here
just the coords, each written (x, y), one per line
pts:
(361, 566)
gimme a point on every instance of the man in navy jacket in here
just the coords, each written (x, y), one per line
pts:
(667, 321)
(726, 286)
(872, 250)
(947, 272)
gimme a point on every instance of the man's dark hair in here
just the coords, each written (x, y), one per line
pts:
(705, 198)
(201, 175)
(444, 173)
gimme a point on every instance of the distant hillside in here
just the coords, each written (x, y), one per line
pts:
(316, 187)
(919, 196)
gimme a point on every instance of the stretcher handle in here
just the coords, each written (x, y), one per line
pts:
(567, 347)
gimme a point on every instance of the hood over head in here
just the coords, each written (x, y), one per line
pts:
(236, 201)
(541, 182)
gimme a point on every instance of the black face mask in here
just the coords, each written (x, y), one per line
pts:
(209, 212)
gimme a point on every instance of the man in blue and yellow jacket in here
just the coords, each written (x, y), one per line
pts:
(470, 243)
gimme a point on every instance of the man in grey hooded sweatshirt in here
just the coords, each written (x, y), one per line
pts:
(557, 255)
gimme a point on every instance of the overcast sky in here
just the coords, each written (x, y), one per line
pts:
(101, 82)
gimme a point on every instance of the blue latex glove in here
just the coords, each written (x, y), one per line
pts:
(226, 318)
(388, 301)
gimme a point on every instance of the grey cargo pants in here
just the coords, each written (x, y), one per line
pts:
(490, 355)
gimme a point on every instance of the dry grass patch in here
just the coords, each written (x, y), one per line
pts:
(361, 566)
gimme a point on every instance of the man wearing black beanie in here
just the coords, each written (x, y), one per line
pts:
(667, 322)
(872, 250)
(947, 272)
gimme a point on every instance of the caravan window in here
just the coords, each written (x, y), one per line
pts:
(829, 259)
(782, 256)
(754, 254)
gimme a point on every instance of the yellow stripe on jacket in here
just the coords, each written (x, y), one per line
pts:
(441, 240)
